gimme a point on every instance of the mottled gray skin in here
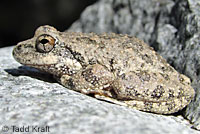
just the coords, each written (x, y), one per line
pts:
(117, 68)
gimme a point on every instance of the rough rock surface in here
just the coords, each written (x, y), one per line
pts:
(31, 98)
(172, 27)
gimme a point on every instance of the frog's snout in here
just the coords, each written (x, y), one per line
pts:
(17, 49)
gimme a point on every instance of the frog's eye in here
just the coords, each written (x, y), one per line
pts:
(45, 43)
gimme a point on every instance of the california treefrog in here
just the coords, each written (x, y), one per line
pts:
(117, 68)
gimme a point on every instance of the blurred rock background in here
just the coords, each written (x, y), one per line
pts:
(19, 19)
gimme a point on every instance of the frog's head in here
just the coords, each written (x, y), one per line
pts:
(46, 51)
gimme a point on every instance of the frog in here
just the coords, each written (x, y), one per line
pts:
(116, 68)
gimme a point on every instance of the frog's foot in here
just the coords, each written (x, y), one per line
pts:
(108, 99)
(166, 107)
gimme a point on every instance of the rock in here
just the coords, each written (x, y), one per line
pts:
(30, 98)
(172, 27)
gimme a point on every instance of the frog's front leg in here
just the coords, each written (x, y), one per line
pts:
(94, 79)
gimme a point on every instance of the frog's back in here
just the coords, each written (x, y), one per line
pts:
(119, 53)
(132, 61)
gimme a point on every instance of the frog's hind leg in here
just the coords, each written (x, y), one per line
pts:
(157, 107)
(143, 91)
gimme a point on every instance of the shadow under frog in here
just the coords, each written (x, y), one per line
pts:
(31, 72)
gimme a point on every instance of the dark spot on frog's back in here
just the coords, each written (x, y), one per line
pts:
(87, 40)
(78, 57)
(132, 44)
(123, 76)
(92, 61)
(130, 91)
(147, 59)
(165, 76)
(170, 105)
(148, 106)
(89, 76)
(138, 46)
(180, 93)
(112, 62)
(70, 83)
(101, 45)
(158, 92)
(106, 37)
(182, 80)
(171, 94)
(143, 76)
(146, 92)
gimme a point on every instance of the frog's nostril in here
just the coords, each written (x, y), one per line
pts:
(19, 47)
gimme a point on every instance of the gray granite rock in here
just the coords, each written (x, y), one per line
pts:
(172, 27)
(31, 98)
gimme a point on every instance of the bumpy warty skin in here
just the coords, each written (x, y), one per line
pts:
(113, 67)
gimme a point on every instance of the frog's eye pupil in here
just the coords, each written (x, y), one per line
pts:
(45, 43)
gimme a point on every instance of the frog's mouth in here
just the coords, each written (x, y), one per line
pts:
(65, 67)
(33, 58)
